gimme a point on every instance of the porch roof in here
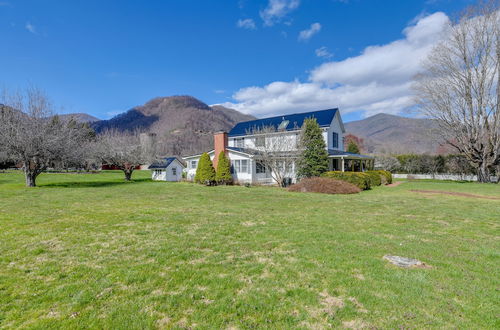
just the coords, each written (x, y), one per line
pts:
(348, 155)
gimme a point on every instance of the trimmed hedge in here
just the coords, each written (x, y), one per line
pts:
(375, 178)
(380, 177)
(359, 179)
(387, 175)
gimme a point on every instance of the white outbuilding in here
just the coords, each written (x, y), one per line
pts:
(167, 169)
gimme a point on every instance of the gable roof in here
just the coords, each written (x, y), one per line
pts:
(163, 163)
(295, 121)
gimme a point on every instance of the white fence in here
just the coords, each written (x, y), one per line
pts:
(453, 177)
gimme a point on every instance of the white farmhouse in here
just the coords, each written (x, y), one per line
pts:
(167, 169)
(245, 143)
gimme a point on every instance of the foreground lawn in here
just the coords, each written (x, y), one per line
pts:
(90, 251)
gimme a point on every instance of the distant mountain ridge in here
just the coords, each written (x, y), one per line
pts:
(390, 134)
(79, 117)
(183, 124)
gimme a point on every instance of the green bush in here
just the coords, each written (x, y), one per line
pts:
(387, 175)
(375, 178)
(205, 173)
(384, 177)
(223, 173)
(359, 179)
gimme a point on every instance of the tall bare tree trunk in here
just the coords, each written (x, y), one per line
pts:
(128, 174)
(483, 173)
(30, 176)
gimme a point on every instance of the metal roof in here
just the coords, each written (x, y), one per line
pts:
(295, 121)
(346, 154)
(162, 163)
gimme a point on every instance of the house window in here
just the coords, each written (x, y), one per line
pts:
(260, 168)
(335, 140)
(194, 164)
(244, 166)
(260, 141)
(174, 171)
(240, 166)
(239, 143)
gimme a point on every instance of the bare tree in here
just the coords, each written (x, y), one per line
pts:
(277, 152)
(32, 136)
(460, 87)
(124, 150)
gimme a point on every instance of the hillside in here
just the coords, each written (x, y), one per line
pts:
(384, 133)
(79, 117)
(183, 124)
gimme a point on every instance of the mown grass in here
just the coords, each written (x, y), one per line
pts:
(91, 251)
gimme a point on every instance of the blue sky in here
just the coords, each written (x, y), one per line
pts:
(261, 57)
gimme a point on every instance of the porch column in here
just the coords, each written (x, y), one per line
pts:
(342, 164)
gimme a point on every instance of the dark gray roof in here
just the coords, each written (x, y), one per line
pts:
(162, 163)
(295, 121)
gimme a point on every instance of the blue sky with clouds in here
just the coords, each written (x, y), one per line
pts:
(264, 57)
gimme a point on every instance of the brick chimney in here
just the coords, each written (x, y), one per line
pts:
(220, 144)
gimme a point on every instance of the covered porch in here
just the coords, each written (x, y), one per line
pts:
(349, 162)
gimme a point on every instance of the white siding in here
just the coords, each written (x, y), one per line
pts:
(168, 173)
(237, 176)
(336, 127)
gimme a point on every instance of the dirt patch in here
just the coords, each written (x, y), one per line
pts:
(395, 184)
(452, 193)
(355, 324)
(330, 303)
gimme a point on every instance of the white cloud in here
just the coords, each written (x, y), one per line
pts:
(277, 9)
(307, 34)
(247, 23)
(30, 27)
(377, 80)
(323, 52)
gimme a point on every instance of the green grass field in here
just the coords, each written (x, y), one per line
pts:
(91, 251)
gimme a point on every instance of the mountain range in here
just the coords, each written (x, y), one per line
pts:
(185, 125)
(390, 134)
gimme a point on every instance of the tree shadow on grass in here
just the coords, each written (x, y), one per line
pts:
(91, 184)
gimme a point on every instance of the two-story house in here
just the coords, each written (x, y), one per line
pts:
(245, 143)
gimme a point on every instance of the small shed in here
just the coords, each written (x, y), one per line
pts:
(167, 169)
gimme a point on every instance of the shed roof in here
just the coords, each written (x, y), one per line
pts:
(295, 121)
(162, 163)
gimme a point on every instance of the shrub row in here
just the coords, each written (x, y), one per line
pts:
(359, 179)
(375, 178)
(425, 164)
(362, 180)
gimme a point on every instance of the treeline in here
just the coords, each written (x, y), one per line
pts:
(35, 139)
(427, 164)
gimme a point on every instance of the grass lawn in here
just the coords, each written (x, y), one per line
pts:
(91, 251)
